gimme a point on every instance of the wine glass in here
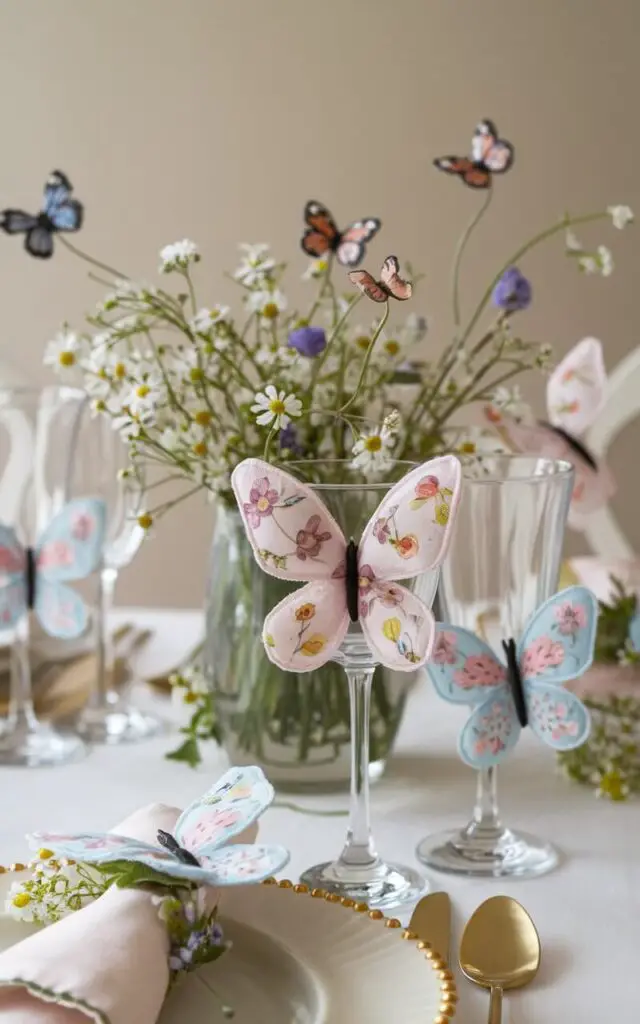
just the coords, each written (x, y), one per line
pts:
(504, 561)
(39, 435)
(360, 873)
(108, 716)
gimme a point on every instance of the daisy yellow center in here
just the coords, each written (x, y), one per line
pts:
(66, 359)
(373, 443)
(467, 448)
(119, 370)
(270, 311)
(203, 418)
(199, 448)
(262, 504)
(143, 390)
(276, 406)
(45, 854)
(145, 521)
(21, 899)
(392, 347)
(321, 266)
(196, 373)
(363, 341)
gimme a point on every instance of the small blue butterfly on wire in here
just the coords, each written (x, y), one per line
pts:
(60, 212)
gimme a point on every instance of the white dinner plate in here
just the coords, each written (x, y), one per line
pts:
(303, 959)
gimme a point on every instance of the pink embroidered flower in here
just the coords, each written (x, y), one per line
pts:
(428, 487)
(488, 744)
(390, 595)
(309, 540)
(366, 592)
(11, 561)
(407, 546)
(262, 499)
(444, 649)
(571, 618)
(55, 555)
(100, 843)
(541, 655)
(381, 530)
(209, 828)
(82, 527)
(479, 670)
(562, 728)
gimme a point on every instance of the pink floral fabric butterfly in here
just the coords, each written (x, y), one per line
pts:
(294, 537)
(390, 285)
(524, 689)
(575, 395)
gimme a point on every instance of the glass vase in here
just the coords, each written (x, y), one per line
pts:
(295, 726)
(504, 561)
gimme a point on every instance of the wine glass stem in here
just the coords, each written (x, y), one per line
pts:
(485, 812)
(106, 655)
(359, 850)
(21, 713)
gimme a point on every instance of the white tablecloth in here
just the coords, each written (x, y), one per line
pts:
(587, 911)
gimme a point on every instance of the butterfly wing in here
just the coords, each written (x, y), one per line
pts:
(463, 668)
(322, 233)
(410, 531)
(471, 174)
(368, 285)
(352, 245)
(306, 628)
(241, 864)
(576, 388)
(391, 280)
(39, 242)
(70, 547)
(292, 533)
(60, 610)
(491, 731)
(398, 626)
(634, 632)
(16, 222)
(236, 800)
(557, 716)
(13, 592)
(92, 847)
(495, 154)
(558, 640)
(63, 212)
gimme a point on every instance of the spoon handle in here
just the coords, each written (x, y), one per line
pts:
(495, 1005)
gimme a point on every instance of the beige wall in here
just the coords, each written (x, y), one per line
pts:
(217, 120)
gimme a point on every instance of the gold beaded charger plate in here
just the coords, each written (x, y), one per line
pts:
(304, 958)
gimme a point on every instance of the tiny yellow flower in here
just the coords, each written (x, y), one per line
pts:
(145, 521)
(66, 359)
(21, 899)
(305, 612)
(45, 854)
(196, 374)
(313, 645)
(199, 448)
(142, 390)
(203, 417)
(120, 371)
(373, 443)
(190, 698)
(270, 311)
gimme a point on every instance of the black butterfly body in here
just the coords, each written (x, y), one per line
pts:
(59, 213)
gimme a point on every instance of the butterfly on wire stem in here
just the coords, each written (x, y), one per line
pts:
(60, 212)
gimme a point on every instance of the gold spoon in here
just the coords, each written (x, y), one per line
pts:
(500, 949)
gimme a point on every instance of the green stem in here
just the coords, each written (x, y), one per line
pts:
(366, 361)
(323, 288)
(89, 259)
(462, 244)
(332, 337)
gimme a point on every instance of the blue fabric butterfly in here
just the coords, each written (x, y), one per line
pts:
(526, 689)
(70, 548)
(197, 851)
(59, 213)
(634, 632)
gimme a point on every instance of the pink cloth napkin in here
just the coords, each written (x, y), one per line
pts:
(106, 963)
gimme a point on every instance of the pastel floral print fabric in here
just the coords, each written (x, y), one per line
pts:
(294, 537)
(556, 647)
(198, 852)
(575, 395)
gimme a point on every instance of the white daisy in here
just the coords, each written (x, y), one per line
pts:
(269, 304)
(620, 216)
(63, 351)
(144, 395)
(256, 264)
(317, 268)
(178, 256)
(205, 319)
(275, 407)
(372, 450)
(19, 903)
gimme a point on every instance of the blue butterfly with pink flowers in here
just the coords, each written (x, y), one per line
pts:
(525, 688)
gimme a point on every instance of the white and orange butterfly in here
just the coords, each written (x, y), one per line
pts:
(489, 155)
(322, 235)
(294, 537)
(390, 285)
(575, 395)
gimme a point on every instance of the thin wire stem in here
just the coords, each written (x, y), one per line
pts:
(89, 259)
(462, 244)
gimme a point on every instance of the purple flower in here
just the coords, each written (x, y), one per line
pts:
(289, 439)
(512, 292)
(308, 341)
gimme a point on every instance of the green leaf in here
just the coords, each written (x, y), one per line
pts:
(417, 503)
(189, 752)
(128, 874)
(293, 500)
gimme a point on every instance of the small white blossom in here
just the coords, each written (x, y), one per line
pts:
(178, 256)
(275, 407)
(256, 264)
(205, 319)
(372, 450)
(606, 261)
(599, 262)
(510, 400)
(588, 264)
(316, 268)
(416, 327)
(620, 216)
(63, 351)
(269, 304)
(572, 243)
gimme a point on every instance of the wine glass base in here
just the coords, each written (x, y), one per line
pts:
(113, 725)
(382, 887)
(40, 747)
(505, 855)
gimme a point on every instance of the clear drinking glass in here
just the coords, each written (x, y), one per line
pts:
(108, 716)
(359, 872)
(503, 562)
(39, 437)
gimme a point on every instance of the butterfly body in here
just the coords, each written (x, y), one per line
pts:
(322, 235)
(294, 537)
(60, 212)
(489, 155)
(199, 851)
(390, 285)
(69, 549)
(556, 647)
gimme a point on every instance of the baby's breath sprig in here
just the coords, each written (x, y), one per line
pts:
(55, 889)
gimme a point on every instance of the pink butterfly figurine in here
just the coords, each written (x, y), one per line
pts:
(294, 537)
(390, 285)
(526, 687)
(575, 395)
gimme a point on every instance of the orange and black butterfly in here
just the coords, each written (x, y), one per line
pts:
(390, 285)
(489, 155)
(323, 236)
